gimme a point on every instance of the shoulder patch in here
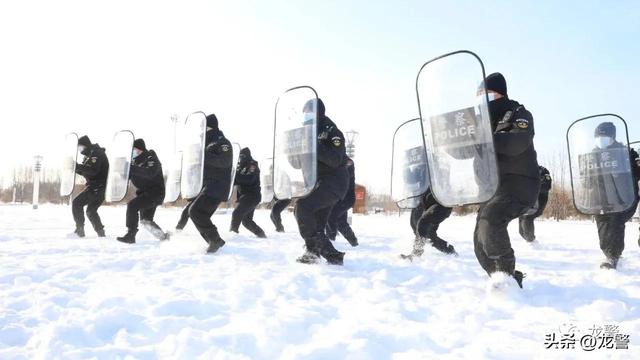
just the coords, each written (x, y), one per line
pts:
(94, 159)
(225, 147)
(337, 141)
(522, 123)
(151, 163)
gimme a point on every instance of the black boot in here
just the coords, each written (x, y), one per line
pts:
(443, 246)
(418, 248)
(234, 229)
(519, 276)
(348, 234)
(327, 251)
(154, 229)
(526, 229)
(278, 224)
(129, 237)
(610, 263)
(260, 234)
(214, 240)
(101, 233)
(79, 231)
(311, 254)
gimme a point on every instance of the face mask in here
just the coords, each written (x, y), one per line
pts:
(209, 128)
(136, 153)
(603, 142)
(309, 117)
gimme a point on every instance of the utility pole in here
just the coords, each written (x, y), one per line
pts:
(37, 168)
(350, 145)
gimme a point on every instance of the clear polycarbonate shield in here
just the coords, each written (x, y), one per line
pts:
(295, 143)
(409, 169)
(235, 152)
(193, 142)
(120, 153)
(69, 159)
(457, 127)
(601, 174)
(266, 180)
(174, 175)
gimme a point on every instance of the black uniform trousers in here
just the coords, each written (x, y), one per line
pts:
(243, 213)
(339, 219)
(200, 212)
(184, 217)
(92, 199)
(277, 209)
(312, 212)
(492, 246)
(525, 223)
(425, 220)
(611, 231)
(145, 204)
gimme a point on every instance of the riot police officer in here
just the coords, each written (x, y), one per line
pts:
(513, 132)
(611, 226)
(218, 160)
(312, 212)
(247, 183)
(95, 169)
(526, 227)
(146, 176)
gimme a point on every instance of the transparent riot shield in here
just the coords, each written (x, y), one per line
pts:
(266, 180)
(456, 123)
(409, 170)
(174, 175)
(601, 175)
(193, 142)
(68, 165)
(119, 153)
(235, 151)
(295, 143)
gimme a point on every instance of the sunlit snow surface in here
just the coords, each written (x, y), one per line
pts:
(96, 298)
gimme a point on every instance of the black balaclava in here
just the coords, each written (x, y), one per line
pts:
(245, 155)
(212, 121)
(606, 129)
(84, 141)
(497, 108)
(139, 144)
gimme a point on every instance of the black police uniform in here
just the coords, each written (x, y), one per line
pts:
(338, 219)
(526, 226)
(247, 183)
(611, 226)
(519, 183)
(95, 169)
(218, 160)
(146, 175)
(312, 212)
(425, 220)
(276, 211)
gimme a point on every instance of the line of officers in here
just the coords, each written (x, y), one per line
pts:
(522, 194)
(321, 216)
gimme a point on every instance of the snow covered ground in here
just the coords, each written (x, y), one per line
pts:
(96, 298)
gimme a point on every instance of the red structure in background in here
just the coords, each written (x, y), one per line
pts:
(361, 195)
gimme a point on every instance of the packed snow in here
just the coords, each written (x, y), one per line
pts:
(69, 298)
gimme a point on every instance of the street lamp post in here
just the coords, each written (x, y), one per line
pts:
(37, 167)
(350, 145)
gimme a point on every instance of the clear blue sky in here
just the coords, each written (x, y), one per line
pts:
(98, 67)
